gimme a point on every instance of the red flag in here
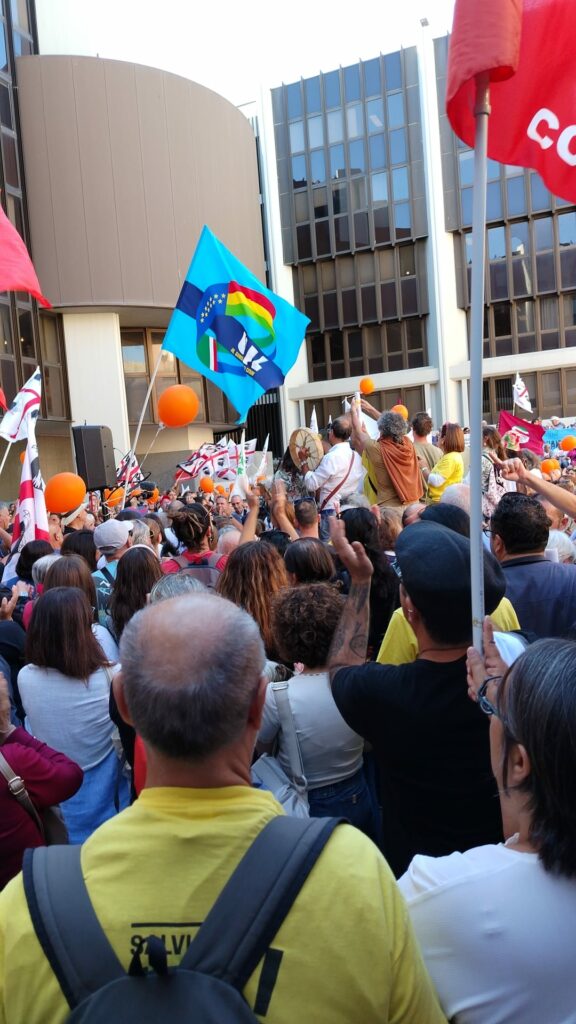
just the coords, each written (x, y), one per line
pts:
(532, 93)
(535, 433)
(17, 272)
(3, 402)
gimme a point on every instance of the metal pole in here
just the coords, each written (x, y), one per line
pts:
(139, 428)
(6, 454)
(481, 114)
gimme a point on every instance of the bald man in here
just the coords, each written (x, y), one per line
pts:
(192, 683)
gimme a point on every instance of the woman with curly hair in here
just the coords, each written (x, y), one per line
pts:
(304, 620)
(252, 577)
(192, 527)
(138, 571)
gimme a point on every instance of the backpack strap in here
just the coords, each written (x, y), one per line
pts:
(65, 922)
(256, 899)
(108, 575)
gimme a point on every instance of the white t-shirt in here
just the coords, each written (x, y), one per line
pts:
(107, 642)
(332, 470)
(68, 714)
(498, 935)
(330, 750)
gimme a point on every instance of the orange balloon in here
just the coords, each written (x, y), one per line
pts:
(549, 465)
(22, 456)
(401, 410)
(366, 386)
(153, 498)
(64, 492)
(568, 443)
(220, 489)
(114, 497)
(178, 406)
(206, 484)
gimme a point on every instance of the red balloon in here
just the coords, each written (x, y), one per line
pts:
(178, 406)
(64, 492)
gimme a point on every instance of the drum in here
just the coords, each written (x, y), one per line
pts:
(306, 447)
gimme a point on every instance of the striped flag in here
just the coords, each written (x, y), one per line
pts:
(31, 520)
(15, 423)
(135, 471)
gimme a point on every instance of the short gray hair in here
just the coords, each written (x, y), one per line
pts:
(556, 539)
(458, 495)
(391, 424)
(228, 539)
(175, 584)
(40, 568)
(190, 669)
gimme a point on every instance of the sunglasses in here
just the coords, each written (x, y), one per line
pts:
(486, 705)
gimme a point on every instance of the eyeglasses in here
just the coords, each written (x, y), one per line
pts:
(486, 705)
(395, 565)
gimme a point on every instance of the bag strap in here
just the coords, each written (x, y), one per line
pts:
(65, 923)
(257, 898)
(211, 558)
(108, 575)
(288, 726)
(17, 788)
(338, 486)
(233, 938)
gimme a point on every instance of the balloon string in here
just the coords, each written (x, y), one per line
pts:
(161, 427)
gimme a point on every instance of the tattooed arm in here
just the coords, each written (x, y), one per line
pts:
(351, 637)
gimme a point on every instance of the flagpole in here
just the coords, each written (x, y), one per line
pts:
(481, 115)
(132, 458)
(6, 454)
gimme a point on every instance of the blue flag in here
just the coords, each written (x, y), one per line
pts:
(232, 329)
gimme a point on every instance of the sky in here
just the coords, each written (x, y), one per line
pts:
(236, 48)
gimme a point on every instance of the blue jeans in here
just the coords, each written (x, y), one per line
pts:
(325, 517)
(349, 799)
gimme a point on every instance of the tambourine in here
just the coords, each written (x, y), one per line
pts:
(303, 441)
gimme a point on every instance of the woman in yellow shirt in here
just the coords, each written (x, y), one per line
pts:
(450, 468)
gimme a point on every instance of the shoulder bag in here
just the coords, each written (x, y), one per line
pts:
(267, 772)
(49, 822)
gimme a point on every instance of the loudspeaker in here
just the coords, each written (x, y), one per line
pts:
(94, 452)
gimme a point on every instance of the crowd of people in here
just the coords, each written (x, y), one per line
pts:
(152, 658)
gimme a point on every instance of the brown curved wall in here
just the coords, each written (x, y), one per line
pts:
(124, 164)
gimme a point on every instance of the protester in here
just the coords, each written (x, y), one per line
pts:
(55, 531)
(253, 575)
(304, 620)
(421, 429)
(141, 535)
(49, 778)
(137, 573)
(521, 894)
(112, 540)
(224, 513)
(193, 530)
(389, 528)
(429, 743)
(360, 526)
(392, 464)
(239, 510)
(196, 698)
(309, 561)
(176, 584)
(75, 519)
(29, 554)
(307, 517)
(73, 571)
(278, 539)
(493, 486)
(560, 542)
(81, 542)
(340, 472)
(65, 691)
(450, 468)
(228, 539)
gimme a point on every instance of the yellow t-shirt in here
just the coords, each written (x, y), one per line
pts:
(349, 953)
(400, 647)
(451, 467)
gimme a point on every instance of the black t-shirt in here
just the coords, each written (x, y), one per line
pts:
(431, 746)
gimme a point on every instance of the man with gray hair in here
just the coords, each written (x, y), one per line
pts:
(393, 472)
(457, 494)
(192, 683)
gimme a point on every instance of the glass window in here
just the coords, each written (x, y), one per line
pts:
(3, 55)
(5, 107)
(369, 303)
(331, 311)
(522, 276)
(309, 283)
(365, 268)
(352, 83)
(400, 184)
(466, 165)
(361, 231)
(502, 320)
(388, 296)
(136, 388)
(317, 166)
(519, 239)
(341, 234)
(493, 170)
(328, 276)
(511, 172)
(375, 115)
(380, 188)
(340, 198)
(374, 352)
(336, 354)
(335, 126)
(301, 211)
(409, 293)
(311, 310)
(26, 331)
(315, 132)
(299, 172)
(303, 241)
(10, 160)
(356, 157)
(22, 45)
(551, 393)
(414, 334)
(49, 339)
(386, 263)
(347, 276)
(543, 235)
(549, 314)
(354, 121)
(14, 210)
(372, 80)
(398, 149)
(540, 195)
(358, 193)
(568, 268)
(493, 201)
(498, 281)
(466, 205)
(402, 220)
(377, 151)
(337, 162)
(312, 91)
(296, 136)
(6, 347)
(294, 100)
(320, 202)
(134, 356)
(545, 273)
(525, 316)
(323, 238)
(382, 225)
(516, 196)
(349, 310)
(393, 68)
(318, 356)
(355, 352)
(20, 18)
(332, 89)
(567, 229)
(569, 303)
(407, 261)
(496, 244)
(396, 111)
(8, 378)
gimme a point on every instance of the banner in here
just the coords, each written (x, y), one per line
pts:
(535, 434)
(31, 520)
(26, 405)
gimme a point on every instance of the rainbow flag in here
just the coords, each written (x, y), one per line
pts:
(232, 329)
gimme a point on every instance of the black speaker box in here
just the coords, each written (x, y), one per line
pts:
(94, 452)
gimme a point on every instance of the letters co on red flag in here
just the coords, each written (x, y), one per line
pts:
(527, 49)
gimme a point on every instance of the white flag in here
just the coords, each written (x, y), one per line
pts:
(31, 520)
(521, 396)
(15, 423)
(314, 421)
(241, 486)
(262, 467)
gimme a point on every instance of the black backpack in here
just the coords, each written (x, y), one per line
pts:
(206, 987)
